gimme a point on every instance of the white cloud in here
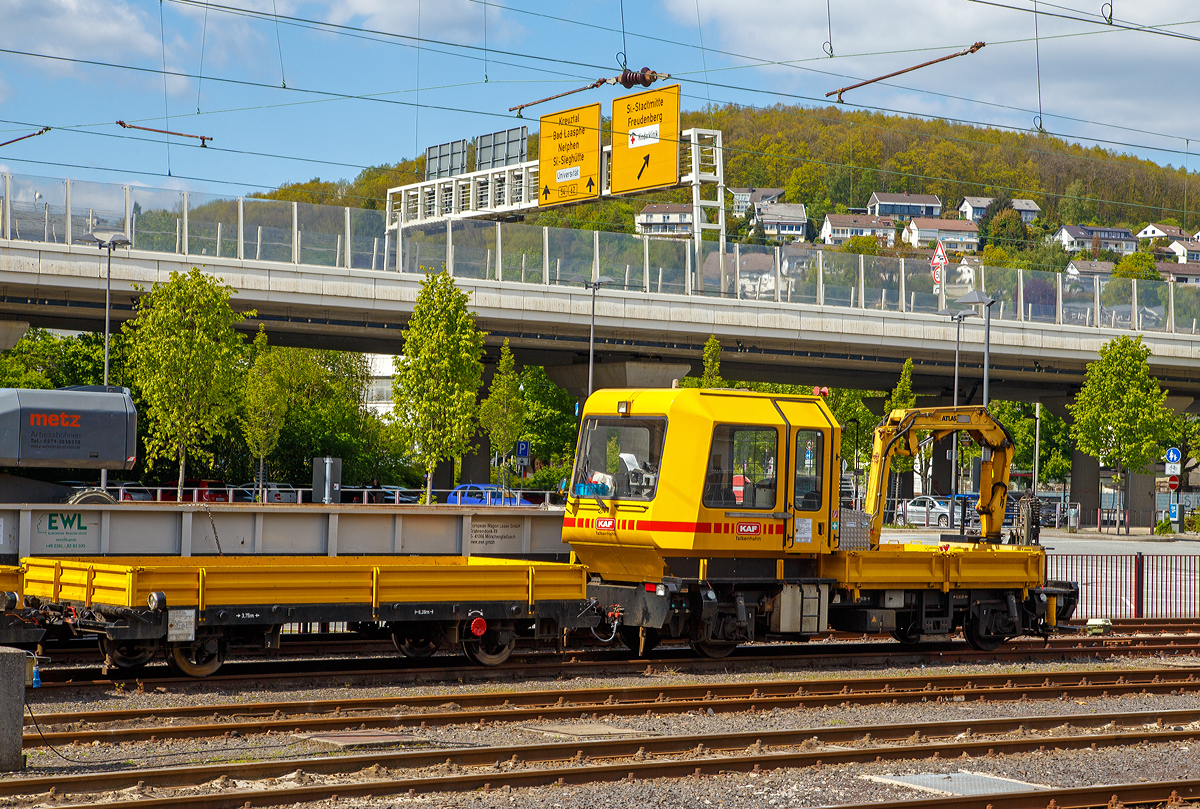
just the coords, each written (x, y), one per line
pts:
(1108, 75)
(459, 21)
(84, 29)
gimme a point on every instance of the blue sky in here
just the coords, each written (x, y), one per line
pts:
(1097, 81)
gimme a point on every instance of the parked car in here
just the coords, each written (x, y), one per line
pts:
(129, 490)
(197, 490)
(484, 494)
(913, 512)
(272, 493)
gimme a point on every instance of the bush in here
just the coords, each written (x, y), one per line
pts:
(1192, 523)
(1164, 527)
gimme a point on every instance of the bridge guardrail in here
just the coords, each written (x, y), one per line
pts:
(55, 211)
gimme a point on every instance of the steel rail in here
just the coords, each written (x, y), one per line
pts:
(841, 686)
(569, 710)
(821, 655)
(576, 759)
(1166, 794)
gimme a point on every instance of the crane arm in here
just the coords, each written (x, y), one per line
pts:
(896, 434)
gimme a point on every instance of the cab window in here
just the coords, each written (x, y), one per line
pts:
(810, 461)
(741, 468)
(619, 457)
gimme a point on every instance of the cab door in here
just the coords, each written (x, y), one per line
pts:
(811, 481)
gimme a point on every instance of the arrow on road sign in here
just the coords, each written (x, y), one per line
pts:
(645, 163)
(590, 184)
(546, 192)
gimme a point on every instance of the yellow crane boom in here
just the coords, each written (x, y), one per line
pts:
(897, 434)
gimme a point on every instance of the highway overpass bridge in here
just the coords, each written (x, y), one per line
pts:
(828, 343)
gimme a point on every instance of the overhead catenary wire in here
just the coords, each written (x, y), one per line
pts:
(330, 95)
(424, 42)
(162, 27)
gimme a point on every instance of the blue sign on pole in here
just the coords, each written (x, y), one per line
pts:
(1173, 455)
(1174, 512)
(522, 449)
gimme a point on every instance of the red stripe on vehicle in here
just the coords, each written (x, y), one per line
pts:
(675, 527)
(568, 522)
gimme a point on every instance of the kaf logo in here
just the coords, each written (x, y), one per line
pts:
(749, 529)
(606, 524)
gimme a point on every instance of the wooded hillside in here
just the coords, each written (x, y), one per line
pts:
(828, 157)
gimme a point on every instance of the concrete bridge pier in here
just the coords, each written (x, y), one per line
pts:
(629, 374)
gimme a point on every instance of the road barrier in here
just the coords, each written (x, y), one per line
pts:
(1131, 585)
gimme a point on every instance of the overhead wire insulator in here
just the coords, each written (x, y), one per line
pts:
(43, 131)
(628, 79)
(202, 138)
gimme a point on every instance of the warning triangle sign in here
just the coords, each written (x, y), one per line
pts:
(939, 255)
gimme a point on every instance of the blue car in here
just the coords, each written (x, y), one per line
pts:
(484, 494)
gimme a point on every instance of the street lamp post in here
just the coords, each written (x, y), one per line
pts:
(975, 298)
(593, 286)
(116, 240)
(958, 318)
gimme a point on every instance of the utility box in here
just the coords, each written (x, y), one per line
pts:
(1073, 515)
(86, 427)
(327, 480)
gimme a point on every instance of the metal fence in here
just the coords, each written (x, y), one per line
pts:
(58, 211)
(1131, 585)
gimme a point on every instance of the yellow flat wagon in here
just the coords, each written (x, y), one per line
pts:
(197, 607)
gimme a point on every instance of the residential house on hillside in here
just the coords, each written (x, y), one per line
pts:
(1086, 268)
(665, 218)
(1180, 273)
(746, 198)
(1079, 237)
(782, 220)
(972, 208)
(955, 234)
(1157, 231)
(1185, 250)
(904, 206)
(839, 227)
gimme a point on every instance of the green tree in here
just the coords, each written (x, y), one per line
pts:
(712, 364)
(1076, 207)
(861, 245)
(550, 425)
(437, 380)
(1007, 229)
(186, 360)
(998, 205)
(1137, 265)
(1054, 455)
(1120, 414)
(502, 414)
(902, 398)
(264, 405)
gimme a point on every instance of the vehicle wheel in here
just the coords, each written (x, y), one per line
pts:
(89, 497)
(198, 659)
(943, 521)
(127, 654)
(483, 652)
(630, 636)
(981, 643)
(418, 648)
(899, 518)
(713, 650)
(909, 635)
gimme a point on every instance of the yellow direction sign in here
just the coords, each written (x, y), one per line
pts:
(645, 151)
(569, 156)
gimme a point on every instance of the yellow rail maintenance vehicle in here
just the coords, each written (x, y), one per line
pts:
(714, 516)
(194, 609)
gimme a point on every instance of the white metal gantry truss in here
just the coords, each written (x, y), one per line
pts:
(499, 193)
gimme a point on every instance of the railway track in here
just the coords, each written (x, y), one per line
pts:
(394, 670)
(596, 703)
(612, 759)
(81, 652)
